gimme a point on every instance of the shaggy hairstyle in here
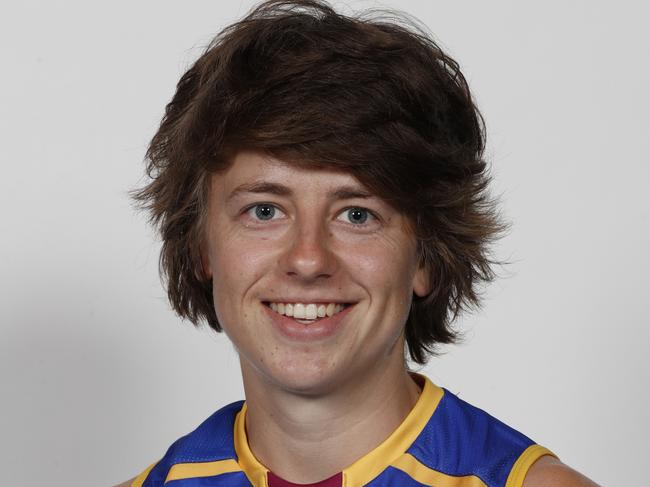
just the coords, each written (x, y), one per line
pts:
(372, 96)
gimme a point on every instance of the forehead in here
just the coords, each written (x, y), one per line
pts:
(258, 172)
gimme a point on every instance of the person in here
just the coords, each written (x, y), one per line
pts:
(319, 184)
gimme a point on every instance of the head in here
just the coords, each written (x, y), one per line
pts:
(375, 99)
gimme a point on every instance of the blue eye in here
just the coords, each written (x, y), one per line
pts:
(357, 215)
(264, 211)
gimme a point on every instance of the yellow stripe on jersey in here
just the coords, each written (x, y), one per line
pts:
(371, 465)
(519, 470)
(254, 470)
(203, 469)
(410, 465)
(139, 480)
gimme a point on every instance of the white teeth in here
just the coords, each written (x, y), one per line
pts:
(310, 311)
(299, 311)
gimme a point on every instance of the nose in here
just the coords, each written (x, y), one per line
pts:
(308, 255)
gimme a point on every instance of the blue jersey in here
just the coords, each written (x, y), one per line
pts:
(443, 442)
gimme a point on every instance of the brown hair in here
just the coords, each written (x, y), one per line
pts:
(373, 97)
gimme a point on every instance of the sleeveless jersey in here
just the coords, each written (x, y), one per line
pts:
(443, 442)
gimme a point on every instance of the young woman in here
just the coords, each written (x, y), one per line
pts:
(319, 186)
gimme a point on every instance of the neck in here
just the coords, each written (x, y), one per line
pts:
(304, 439)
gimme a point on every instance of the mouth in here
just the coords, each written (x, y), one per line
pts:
(307, 313)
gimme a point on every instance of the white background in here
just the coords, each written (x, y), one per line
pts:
(98, 376)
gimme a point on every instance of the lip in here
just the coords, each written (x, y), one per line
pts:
(320, 330)
(305, 301)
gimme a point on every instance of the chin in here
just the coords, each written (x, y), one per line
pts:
(307, 379)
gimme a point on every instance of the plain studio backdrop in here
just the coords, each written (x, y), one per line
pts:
(98, 376)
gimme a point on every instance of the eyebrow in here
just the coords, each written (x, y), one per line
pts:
(340, 193)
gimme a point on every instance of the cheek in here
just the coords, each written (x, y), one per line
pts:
(237, 260)
(385, 269)
(380, 266)
(236, 266)
(230, 251)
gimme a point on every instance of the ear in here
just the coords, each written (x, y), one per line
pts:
(422, 281)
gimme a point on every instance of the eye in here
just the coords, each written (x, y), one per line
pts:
(263, 211)
(357, 215)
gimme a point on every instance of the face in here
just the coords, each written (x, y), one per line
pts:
(314, 243)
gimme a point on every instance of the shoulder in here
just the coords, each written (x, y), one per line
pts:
(549, 470)
(470, 429)
(508, 451)
(460, 439)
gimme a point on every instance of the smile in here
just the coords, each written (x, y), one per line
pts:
(289, 324)
(309, 312)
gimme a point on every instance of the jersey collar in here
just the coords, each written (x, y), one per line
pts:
(370, 465)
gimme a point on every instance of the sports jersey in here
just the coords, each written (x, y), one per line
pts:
(443, 442)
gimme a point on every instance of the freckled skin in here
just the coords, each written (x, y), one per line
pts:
(309, 247)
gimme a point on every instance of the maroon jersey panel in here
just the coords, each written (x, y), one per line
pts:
(334, 481)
